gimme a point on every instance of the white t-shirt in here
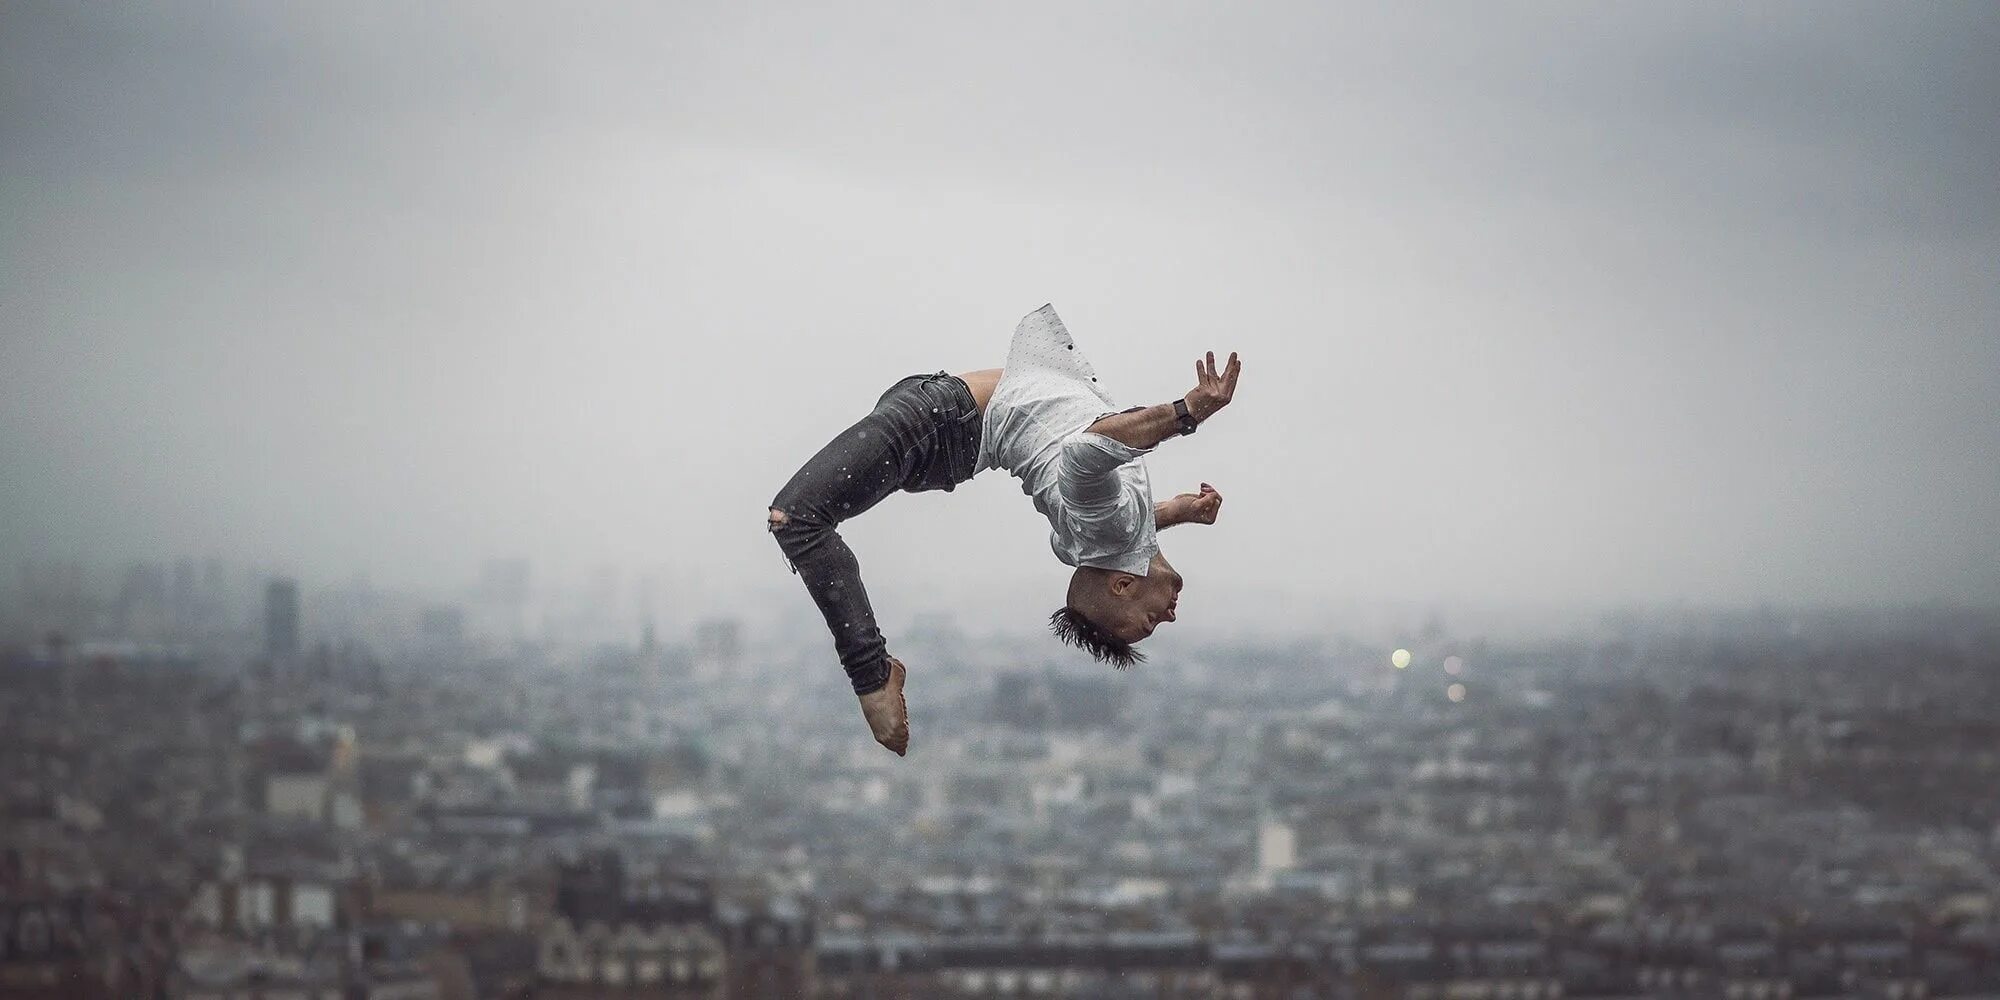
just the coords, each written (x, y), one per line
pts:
(1093, 490)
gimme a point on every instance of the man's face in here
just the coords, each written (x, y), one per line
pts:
(1151, 600)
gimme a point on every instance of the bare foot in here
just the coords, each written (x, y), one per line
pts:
(888, 717)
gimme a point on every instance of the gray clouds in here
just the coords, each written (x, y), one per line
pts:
(1598, 302)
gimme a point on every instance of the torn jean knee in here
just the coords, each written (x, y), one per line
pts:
(773, 521)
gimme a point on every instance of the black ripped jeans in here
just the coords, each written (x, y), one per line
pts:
(922, 435)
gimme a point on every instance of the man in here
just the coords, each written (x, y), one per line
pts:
(1044, 418)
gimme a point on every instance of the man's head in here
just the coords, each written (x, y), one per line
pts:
(1108, 610)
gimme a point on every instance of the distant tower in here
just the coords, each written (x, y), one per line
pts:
(1433, 627)
(281, 619)
(503, 596)
(65, 672)
(183, 599)
(718, 649)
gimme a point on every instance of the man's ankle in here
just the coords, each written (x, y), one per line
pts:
(880, 682)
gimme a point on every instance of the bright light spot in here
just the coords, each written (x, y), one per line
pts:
(1456, 692)
(1454, 665)
(1401, 658)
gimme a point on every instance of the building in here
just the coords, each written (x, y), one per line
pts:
(1277, 848)
(618, 933)
(281, 619)
(46, 952)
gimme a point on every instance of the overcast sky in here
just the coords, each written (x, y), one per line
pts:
(1591, 303)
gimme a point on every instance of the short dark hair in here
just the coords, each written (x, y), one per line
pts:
(1072, 627)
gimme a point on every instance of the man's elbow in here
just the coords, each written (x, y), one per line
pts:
(1094, 450)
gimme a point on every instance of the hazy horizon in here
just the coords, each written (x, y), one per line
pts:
(1541, 306)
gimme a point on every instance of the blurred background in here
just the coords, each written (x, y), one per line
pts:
(1606, 601)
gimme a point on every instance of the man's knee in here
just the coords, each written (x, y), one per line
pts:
(782, 526)
(794, 533)
(785, 532)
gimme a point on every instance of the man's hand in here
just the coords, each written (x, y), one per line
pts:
(1189, 508)
(1148, 426)
(1212, 390)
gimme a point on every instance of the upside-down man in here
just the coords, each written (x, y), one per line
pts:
(1044, 418)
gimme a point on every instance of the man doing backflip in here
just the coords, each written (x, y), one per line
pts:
(1044, 418)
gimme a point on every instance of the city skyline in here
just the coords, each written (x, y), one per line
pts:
(1657, 807)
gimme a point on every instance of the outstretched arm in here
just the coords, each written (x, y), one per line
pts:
(1090, 459)
(1188, 508)
(1146, 427)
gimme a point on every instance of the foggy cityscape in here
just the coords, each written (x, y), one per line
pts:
(1606, 602)
(245, 797)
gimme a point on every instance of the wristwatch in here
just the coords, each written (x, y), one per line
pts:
(1187, 420)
